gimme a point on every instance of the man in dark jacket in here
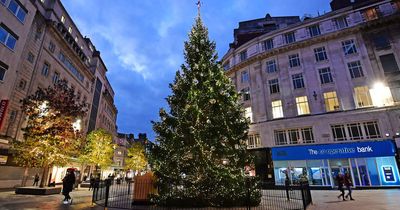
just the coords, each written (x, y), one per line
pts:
(348, 183)
(68, 185)
(340, 182)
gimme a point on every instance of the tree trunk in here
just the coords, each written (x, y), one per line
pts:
(44, 176)
(25, 177)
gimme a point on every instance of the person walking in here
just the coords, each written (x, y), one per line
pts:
(348, 183)
(36, 180)
(91, 182)
(68, 185)
(340, 182)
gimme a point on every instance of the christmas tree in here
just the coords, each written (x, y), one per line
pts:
(200, 154)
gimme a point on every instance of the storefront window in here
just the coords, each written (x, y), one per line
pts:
(280, 170)
(372, 171)
(388, 171)
(298, 171)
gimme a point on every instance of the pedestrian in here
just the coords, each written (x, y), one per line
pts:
(36, 180)
(287, 184)
(91, 182)
(340, 182)
(68, 185)
(348, 183)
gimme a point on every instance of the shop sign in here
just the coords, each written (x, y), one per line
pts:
(3, 159)
(3, 109)
(328, 151)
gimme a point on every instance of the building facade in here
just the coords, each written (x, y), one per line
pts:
(323, 94)
(40, 45)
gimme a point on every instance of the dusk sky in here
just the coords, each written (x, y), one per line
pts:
(141, 43)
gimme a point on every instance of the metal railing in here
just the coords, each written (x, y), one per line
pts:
(120, 194)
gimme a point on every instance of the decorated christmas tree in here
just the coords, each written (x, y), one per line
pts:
(200, 154)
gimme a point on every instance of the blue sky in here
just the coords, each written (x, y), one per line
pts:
(141, 43)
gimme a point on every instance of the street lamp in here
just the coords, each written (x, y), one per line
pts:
(77, 125)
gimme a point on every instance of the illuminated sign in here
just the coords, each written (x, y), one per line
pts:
(339, 150)
(388, 173)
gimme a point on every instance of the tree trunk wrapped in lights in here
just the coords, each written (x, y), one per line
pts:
(200, 154)
(49, 136)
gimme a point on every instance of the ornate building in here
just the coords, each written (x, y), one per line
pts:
(323, 94)
(40, 44)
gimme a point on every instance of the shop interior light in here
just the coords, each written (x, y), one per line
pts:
(387, 134)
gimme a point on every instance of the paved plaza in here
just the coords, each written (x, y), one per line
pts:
(323, 200)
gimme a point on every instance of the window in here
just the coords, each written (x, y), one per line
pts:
(294, 60)
(268, 44)
(226, 65)
(298, 81)
(362, 97)
(62, 19)
(325, 75)
(277, 110)
(372, 130)
(45, 69)
(248, 114)
(253, 141)
(52, 47)
(18, 10)
(314, 30)
(243, 55)
(7, 37)
(76, 39)
(355, 69)
(280, 137)
(331, 101)
(307, 135)
(290, 38)
(389, 63)
(3, 2)
(302, 105)
(354, 130)
(56, 77)
(31, 57)
(246, 94)
(70, 29)
(271, 66)
(370, 14)
(22, 84)
(341, 22)
(3, 69)
(339, 132)
(381, 41)
(320, 54)
(273, 86)
(244, 76)
(71, 66)
(293, 136)
(349, 47)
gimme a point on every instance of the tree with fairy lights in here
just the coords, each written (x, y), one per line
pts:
(200, 153)
(98, 150)
(52, 134)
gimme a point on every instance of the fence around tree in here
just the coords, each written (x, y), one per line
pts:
(122, 194)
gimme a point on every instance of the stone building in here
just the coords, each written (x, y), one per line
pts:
(323, 94)
(40, 44)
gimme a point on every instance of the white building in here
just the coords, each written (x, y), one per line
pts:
(329, 87)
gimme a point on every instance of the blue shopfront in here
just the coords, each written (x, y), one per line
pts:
(370, 163)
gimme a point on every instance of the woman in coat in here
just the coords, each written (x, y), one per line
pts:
(68, 185)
